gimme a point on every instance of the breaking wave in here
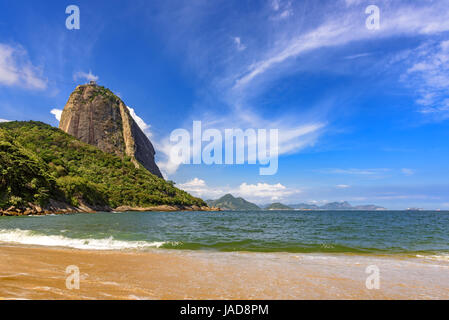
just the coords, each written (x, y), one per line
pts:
(18, 236)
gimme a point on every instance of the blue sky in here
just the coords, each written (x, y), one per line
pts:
(362, 114)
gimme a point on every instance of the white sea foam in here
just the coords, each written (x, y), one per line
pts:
(18, 236)
(436, 257)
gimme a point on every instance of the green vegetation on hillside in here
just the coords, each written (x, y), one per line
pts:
(39, 162)
(23, 176)
(229, 202)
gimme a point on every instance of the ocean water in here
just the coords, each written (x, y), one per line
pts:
(370, 232)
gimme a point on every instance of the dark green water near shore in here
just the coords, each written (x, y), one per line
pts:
(386, 232)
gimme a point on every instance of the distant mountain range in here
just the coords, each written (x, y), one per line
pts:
(229, 202)
(336, 206)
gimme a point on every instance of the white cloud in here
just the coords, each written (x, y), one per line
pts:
(199, 188)
(260, 192)
(17, 70)
(3, 120)
(57, 113)
(342, 186)
(238, 43)
(265, 192)
(83, 75)
(167, 165)
(195, 183)
(408, 172)
(140, 122)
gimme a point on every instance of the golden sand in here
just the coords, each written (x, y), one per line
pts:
(40, 273)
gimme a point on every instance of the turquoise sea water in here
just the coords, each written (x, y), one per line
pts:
(259, 231)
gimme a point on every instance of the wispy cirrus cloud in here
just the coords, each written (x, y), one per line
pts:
(356, 56)
(356, 171)
(17, 70)
(429, 76)
(277, 50)
(347, 26)
(370, 172)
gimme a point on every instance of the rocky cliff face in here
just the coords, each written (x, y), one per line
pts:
(96, 116)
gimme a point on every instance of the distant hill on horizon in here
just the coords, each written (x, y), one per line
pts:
(304, 206)
(278, 206)
(229, 202)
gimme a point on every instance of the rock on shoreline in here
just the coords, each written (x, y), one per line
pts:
(95, 115)
(166, 208)
(57, 207)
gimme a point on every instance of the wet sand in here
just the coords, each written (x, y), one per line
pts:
(40, 273)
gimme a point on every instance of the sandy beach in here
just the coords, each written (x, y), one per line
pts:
(40, 273)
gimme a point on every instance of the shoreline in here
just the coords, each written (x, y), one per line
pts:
(61, 208)
(38, 272)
